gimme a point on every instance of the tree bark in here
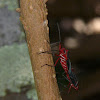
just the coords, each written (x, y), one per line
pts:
(34, 19)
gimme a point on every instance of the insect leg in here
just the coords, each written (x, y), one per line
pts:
(47, 65)
(51, 65)
(56, 61)
(68, 84)
(56, 55)
(49, 52)
(69, 88)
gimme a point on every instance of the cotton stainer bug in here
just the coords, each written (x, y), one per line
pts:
(66, 64)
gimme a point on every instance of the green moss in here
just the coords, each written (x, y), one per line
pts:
(15, 70)
(11, 4)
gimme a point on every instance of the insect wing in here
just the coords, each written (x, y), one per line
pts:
(72, 76)
(73, 79)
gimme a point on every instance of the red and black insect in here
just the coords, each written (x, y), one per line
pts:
(66, 64)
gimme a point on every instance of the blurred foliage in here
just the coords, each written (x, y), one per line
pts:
(11, 4)
(16, 70)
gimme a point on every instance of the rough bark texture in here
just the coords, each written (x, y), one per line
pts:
(34, 19)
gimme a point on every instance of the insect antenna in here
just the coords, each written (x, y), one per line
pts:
(59, 32)
(56, 43)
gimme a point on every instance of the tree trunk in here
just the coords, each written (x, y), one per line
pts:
(34, 20)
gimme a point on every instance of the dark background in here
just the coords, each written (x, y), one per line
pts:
(79, 22)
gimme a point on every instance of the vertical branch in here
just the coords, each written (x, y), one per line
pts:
(34, 20)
